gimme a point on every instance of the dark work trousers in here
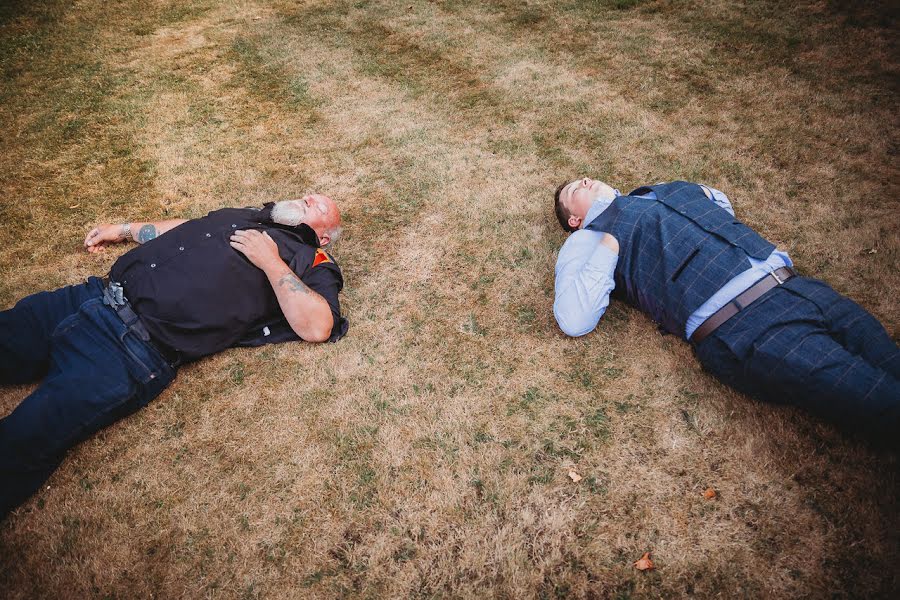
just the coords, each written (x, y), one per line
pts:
(804, 344)
(95, 371)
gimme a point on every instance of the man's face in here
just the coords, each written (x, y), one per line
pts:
(318, 211)
(578, 196)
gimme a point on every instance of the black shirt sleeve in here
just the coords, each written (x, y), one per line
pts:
(325, 279)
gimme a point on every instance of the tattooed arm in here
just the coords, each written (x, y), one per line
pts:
(306, 312)
(140, 232)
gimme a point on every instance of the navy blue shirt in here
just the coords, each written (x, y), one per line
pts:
(197, 295)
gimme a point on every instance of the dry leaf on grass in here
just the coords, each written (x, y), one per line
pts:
(710, 493)
(575, 477)
(644, 564)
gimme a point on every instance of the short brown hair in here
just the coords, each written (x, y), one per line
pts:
(562, 213)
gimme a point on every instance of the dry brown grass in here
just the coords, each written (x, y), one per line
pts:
(427, 453)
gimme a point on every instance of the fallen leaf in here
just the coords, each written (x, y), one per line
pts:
(575, 477)
(873, 250)
(710, 493)
(644, 564)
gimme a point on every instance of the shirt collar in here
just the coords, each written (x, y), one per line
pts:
(598, 207)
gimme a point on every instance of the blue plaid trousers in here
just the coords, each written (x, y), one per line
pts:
(804, 344)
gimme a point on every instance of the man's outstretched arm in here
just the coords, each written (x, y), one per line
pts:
(308, 313)
(140, 232)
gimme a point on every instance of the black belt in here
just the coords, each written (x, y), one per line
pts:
(116, 300)
(741, 301)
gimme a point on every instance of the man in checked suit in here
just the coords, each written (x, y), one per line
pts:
(677, 251)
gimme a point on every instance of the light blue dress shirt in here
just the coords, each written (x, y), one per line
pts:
(585, 275)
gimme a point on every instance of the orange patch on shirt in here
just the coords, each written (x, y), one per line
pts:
(321, 257)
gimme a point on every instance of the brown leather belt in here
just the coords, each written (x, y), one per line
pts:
(741, 301)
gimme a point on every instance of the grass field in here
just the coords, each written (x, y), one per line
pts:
(427, 454)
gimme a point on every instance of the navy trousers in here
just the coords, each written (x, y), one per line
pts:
(804, 344)
(95, 370)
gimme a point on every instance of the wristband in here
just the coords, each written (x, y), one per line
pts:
(126, 231)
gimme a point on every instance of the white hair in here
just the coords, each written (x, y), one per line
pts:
(287, 212)
(291, 213)
(334, 234)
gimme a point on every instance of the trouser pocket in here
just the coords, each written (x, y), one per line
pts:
(147, 366)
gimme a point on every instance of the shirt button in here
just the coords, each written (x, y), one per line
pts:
(207, 235)
(152, 265)
(181, 247)
(233, 225)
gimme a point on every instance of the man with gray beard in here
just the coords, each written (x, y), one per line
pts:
(190, 288)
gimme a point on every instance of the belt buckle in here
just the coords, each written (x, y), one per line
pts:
(777, 278)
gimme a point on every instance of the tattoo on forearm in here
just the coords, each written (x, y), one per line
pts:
(146, 233)
(293, 283)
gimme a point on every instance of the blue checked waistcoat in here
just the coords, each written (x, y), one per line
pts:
(676, 251)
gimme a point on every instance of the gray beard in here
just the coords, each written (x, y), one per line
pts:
(287, 213)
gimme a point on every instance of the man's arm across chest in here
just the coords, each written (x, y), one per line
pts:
(307, 312)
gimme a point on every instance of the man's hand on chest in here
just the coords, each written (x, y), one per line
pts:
(259, 248)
